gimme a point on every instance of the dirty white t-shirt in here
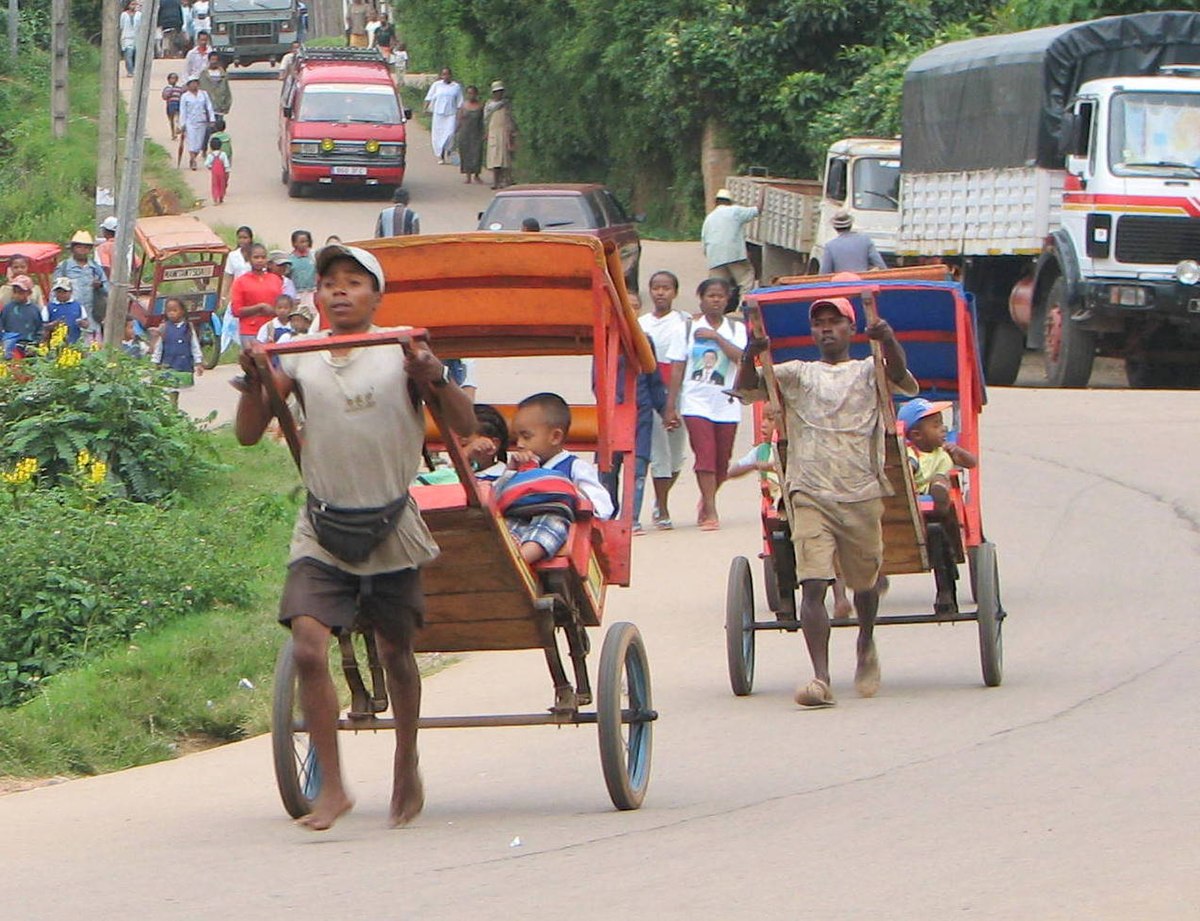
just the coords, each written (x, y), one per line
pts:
(362, 449)
(835, 430)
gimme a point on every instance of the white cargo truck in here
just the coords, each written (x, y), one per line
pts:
(1059, 169)
(862, 176)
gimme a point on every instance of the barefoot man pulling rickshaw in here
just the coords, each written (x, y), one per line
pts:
(359, 540)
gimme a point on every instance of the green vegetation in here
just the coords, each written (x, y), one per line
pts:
(47, 186)
(169, 608)
(622, 91)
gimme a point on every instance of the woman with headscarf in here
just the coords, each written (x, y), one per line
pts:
(196, 114)
(468, 137)
(501, 130)
(443, 101)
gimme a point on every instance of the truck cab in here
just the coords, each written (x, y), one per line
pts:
(341, 121)
(862, 176)
(249, 31)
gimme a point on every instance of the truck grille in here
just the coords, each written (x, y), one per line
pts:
(1157, 240)
(253, 31)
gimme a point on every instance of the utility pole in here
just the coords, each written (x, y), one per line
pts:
(106, 129)
(59, 66)
(14, 29)
(131, 180)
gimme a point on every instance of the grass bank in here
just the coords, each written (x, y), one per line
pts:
(182, 685)
(47, 185)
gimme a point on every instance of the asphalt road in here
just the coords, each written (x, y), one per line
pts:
(1067, 793)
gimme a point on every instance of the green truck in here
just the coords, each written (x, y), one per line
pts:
(248, 31)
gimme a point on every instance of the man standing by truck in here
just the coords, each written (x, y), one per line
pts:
(724, 239)
(849, 251)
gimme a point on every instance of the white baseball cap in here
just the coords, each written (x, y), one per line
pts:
(359, 255)
(109, 223)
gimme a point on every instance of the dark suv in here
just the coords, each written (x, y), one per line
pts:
(585, 208)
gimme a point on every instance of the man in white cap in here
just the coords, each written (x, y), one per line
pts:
(500, 136)
(363, 433)
(724, 239)
(849, 251)
(107, 244)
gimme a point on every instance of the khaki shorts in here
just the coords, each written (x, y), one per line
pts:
(838, 538)
(390, 602)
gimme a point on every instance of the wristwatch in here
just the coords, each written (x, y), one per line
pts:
(444, 379)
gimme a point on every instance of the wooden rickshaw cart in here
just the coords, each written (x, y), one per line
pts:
(178, 255)
(934, 321)
(486, 296)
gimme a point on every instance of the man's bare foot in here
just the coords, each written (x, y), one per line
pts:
(866, 675)
(326, 811)
(407, 801)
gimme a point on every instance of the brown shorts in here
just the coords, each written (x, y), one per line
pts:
(390, 602)
(838, 538)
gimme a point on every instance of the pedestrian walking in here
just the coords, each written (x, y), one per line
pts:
(171, 94)
(217, 163)
(130, 22)
(357, 16)
(710, 414)
(398, 220)
(442, 101)
(468, 136)
(196, 114)
(215, 81)
(849, 251)
(252, 297)
(89, 281)
(501, 136)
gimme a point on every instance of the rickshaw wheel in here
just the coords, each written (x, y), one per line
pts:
(296, 771)
(739, 626)
(624, 694)
(210, 344)
(990, 613)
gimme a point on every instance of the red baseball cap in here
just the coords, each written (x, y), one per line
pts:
(23, 282)
(840, 304)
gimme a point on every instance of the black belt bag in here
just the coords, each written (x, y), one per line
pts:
(351, 534)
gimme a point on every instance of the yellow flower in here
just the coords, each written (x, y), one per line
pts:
(3, 370)
(96, 345)
(82, 460)
(22, 472)
(59, 336)
(69, 358)
(99, 471)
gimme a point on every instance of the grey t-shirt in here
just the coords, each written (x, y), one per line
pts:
(362, 449)
(851, 252)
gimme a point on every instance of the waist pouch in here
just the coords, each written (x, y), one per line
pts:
(351, 534)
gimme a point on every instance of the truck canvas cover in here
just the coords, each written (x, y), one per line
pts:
(998, 101)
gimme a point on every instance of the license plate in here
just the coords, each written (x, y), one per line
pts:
(349, 171)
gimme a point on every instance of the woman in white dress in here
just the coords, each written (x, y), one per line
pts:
(444, 99)
(195, 114)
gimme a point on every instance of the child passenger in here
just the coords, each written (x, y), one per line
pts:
(929, 454)
(540, 427)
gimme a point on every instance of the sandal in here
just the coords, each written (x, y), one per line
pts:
(815, 694)
(710, 524)
(664, 524)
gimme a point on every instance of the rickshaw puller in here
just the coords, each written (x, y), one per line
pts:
(835, 478)
(363, 434)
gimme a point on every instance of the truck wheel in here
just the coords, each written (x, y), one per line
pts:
(1144, 374)
(1003, 349)
(1069, 350)
(295, 189)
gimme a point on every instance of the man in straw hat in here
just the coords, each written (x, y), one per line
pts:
(87, 276)
(364, 427)
(849, 251)
(724, 239)
(835, 478)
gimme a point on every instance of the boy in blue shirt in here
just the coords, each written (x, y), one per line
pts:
(64, 309)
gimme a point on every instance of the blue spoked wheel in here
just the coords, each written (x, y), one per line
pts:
(296, 771)
(625, 715)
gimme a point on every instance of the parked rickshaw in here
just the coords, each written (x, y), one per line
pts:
(935, 322)
(178, 255)
(43, 259)
(487, 296)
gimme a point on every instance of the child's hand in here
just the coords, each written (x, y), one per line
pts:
(518, 460)
(199, 369)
